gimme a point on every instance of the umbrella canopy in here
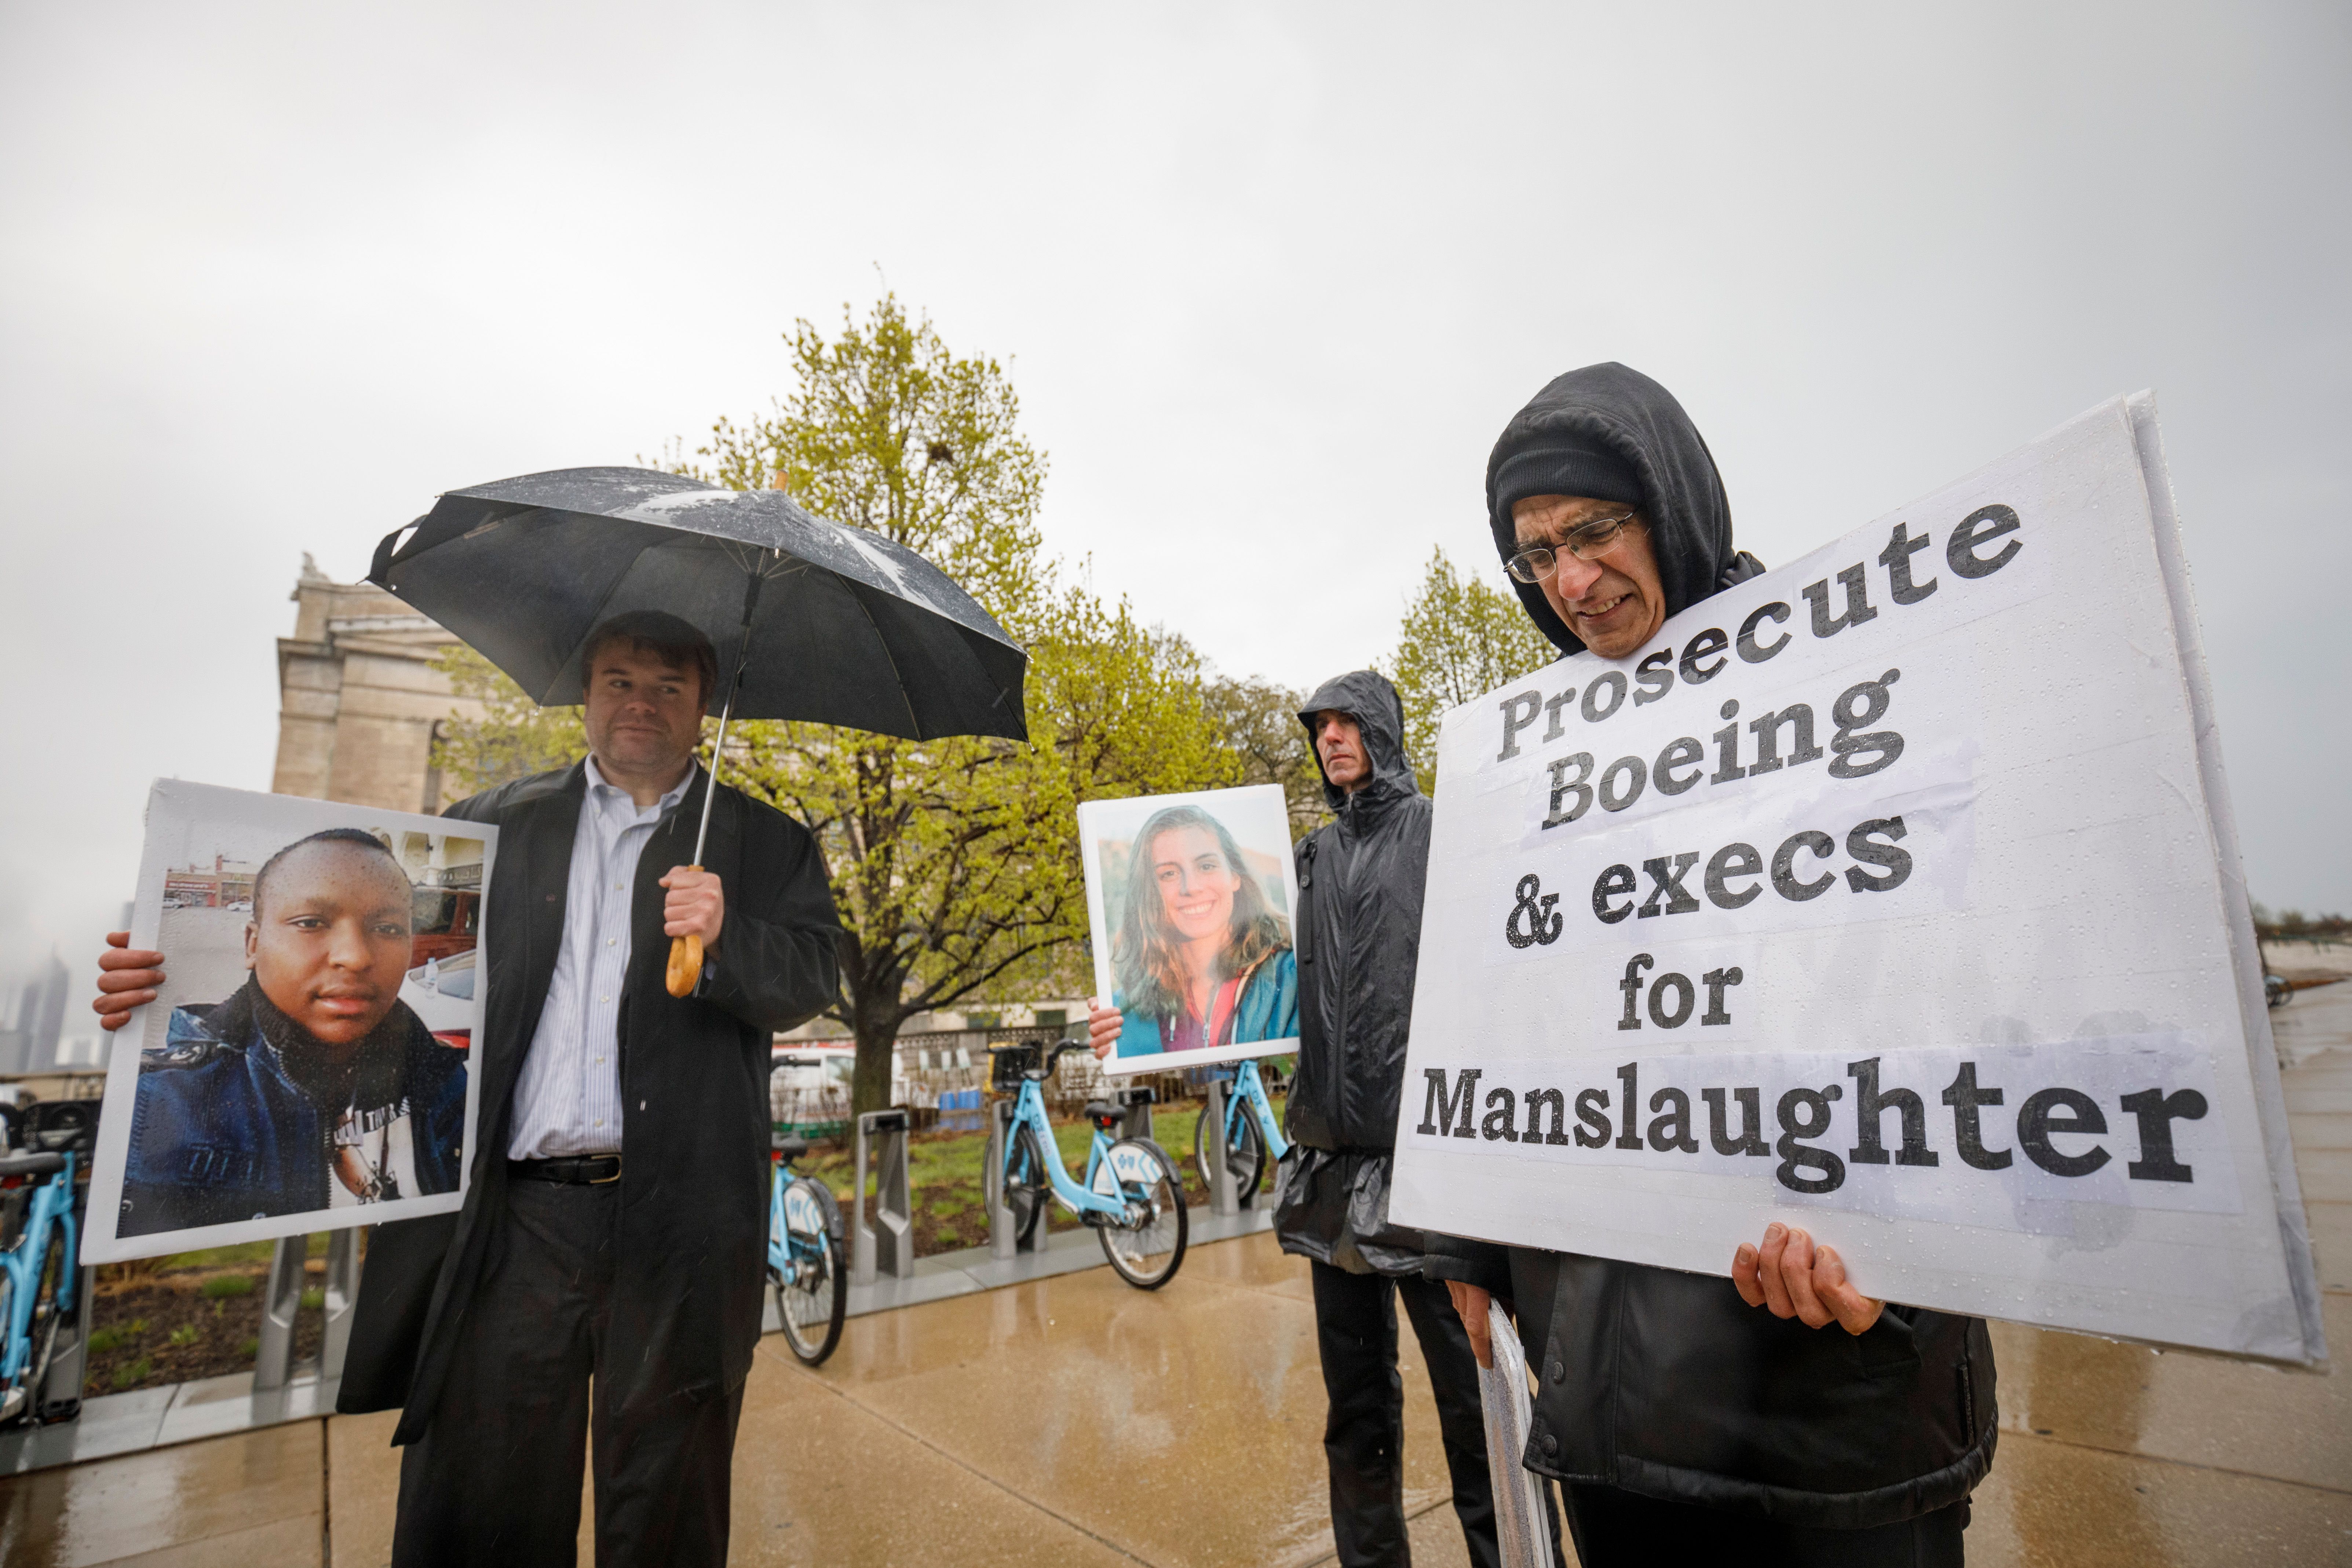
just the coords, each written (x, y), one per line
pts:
(844, 627)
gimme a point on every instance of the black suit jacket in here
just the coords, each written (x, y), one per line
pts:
(694, 1080)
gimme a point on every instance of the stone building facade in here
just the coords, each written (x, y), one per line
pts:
(359, 700)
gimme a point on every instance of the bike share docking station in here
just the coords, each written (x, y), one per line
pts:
(1226, 1198)
(1137, 1102)
(273, 1364)
(44, 1152)
(886, 1243)
(1004, 1239)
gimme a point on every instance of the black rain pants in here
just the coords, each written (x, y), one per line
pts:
(1363, 1438)
(495, 1479)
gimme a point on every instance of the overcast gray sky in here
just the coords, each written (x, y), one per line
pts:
(1268, 278)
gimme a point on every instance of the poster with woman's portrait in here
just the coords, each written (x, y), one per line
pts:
(1192, 900)
(305, 1067)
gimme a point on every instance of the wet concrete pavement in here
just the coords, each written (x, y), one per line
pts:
(1073, 1420)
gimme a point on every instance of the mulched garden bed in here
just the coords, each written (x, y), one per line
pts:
(148, 1328)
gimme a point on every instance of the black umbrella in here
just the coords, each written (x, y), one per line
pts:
(817, 621)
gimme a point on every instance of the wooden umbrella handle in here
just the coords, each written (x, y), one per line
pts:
(685, 960)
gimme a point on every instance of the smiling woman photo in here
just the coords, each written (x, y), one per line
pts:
(1198, 957)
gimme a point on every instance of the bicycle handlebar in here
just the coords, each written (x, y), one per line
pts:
(1053, 1055)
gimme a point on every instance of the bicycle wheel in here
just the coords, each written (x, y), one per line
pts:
(1025, 1190)
(24, 1396)
(1147, 1250)
(1244, 1152)
(810, 1304)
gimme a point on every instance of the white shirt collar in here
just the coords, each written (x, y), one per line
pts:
(670, 797)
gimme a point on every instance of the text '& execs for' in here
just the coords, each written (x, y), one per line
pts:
(1736, 1425)
(314, 1086)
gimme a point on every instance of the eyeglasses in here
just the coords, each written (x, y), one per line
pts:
(1586, 542)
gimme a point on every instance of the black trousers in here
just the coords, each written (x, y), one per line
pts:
(495, 1480)
(1363, 1438)
(1618, 1528)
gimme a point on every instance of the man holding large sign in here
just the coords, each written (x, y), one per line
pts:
(1895, 889)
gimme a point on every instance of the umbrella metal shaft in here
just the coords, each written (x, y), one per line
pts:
(686, 952)
(710, 791)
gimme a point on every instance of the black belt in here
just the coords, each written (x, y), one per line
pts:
(571, 1170)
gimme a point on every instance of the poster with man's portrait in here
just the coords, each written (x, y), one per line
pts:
(1193, 901)
(306, 1065)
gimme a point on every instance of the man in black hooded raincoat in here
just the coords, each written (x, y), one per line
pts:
(1359, 892)
(1779, 1416)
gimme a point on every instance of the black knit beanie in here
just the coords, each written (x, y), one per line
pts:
(1565, 464)
(1611, 433)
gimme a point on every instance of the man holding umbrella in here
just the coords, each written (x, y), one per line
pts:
(612, 1241)
(619, 1240)
(630, 1249)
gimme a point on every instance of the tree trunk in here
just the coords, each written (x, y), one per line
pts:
(875, 1024)
(871, 989)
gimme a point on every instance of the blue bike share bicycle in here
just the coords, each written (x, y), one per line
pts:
(1131, 1195)
(805, 1267)
(39, 1241)
(1253, 1133)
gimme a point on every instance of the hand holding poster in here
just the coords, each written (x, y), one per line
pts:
(1895, 890)
(305, 1067)
(1190, 898)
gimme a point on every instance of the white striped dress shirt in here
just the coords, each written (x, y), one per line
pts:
(568, 1101)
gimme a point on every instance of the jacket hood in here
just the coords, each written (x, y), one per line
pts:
(1626, 413)
(1367, 697)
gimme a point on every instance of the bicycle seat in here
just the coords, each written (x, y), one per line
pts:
(31, 1164)
(1103, 1110)
(790, 1147)
(61, 1124)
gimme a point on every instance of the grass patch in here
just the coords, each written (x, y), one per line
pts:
(170, 1330)
(941, 1159)
(944, 1171)
(245, 1255)
(250, 1348)
(313, 1299)
(220, 1286)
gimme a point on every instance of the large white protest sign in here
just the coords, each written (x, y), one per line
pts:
(1895, 893)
